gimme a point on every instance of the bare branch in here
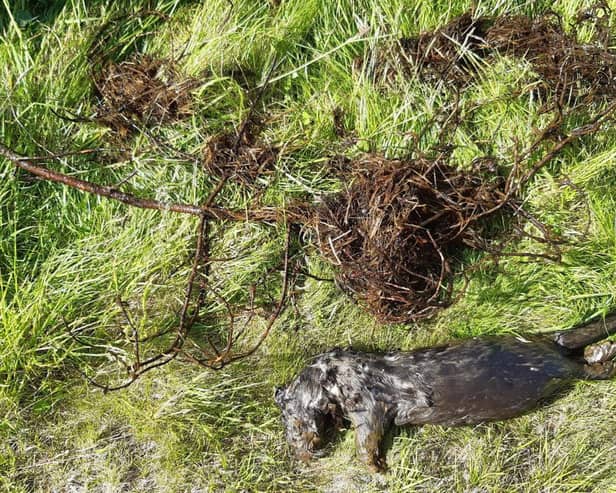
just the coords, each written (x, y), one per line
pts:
(208, 211)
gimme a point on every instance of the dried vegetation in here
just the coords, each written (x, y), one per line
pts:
(566, 69)
(240, 156)
(396, 233)
(142, 92)
(393, 232)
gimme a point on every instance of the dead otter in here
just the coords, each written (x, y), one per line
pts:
(482, 379)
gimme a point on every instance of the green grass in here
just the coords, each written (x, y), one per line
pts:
(65, 256)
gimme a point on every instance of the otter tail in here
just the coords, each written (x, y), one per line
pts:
(589, 333)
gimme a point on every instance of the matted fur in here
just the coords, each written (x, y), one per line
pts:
(473, 381)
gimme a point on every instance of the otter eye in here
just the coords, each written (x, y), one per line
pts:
(278, 395)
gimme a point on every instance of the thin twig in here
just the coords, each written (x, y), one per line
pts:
(279, 306)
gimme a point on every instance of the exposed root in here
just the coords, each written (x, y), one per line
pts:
(449, 53)
(242, 159)
(567, 70)
(142, 92)
(393, 233)
(241, 156)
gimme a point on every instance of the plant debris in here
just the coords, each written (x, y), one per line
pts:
(567, 69)
(242, 158)
(142, 92)
(450, 53)
(394, 232)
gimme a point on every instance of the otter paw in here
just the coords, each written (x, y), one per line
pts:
(600, 353)
(378, 464)
(374, 462)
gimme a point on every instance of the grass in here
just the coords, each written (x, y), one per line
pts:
(66, 256)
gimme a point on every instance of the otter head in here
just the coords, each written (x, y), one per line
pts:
(308, 414)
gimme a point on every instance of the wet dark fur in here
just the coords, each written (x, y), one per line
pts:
(478, 380)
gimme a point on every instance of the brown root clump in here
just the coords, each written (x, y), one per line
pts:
(393, 233)
(142, 92)
(397, 232)
(566, 68)
(448, 53)
(242, 159)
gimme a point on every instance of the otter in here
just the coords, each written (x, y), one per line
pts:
(468, 382)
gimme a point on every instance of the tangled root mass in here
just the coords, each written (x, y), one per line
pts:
(393, 233)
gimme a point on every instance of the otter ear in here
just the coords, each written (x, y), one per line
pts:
(279, 395)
